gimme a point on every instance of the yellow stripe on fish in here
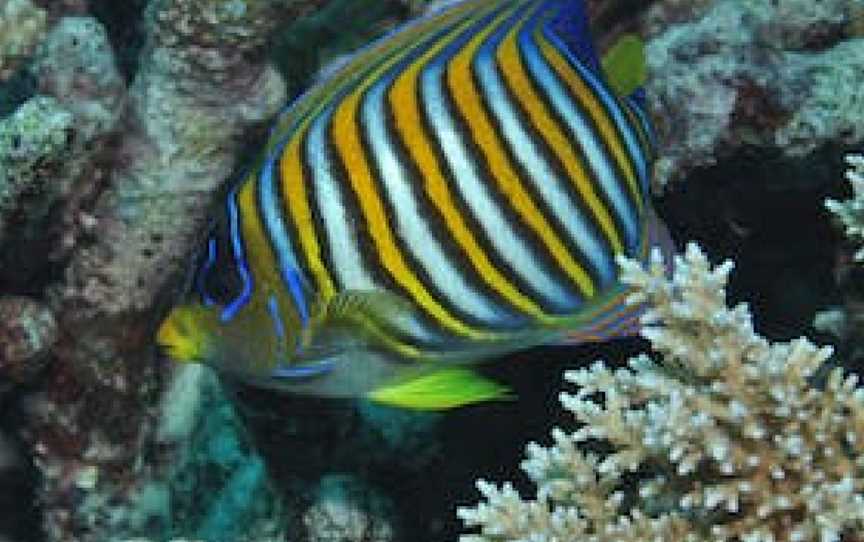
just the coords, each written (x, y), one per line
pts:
(541, 118)
(600, 117)
(403, 100)
(345, 131)
(467, 97)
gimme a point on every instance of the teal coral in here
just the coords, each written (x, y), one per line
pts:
(217, 488)
(229, 515)
(32, 142)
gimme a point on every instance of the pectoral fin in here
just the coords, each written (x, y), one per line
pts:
(372, 315)
(375, 304)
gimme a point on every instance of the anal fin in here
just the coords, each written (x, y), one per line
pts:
(440, 390)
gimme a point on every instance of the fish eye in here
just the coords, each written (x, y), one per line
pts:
(217, 279)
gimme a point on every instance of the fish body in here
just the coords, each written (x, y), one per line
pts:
(458, 190)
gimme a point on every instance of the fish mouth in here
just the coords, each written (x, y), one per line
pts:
(303, 371)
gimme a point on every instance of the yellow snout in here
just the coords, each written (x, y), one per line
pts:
(182, 334)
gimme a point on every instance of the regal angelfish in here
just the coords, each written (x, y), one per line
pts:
(456, 191)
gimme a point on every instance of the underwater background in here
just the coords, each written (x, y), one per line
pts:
(122, 123)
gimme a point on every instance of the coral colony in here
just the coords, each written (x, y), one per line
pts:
(722, 437)
(122, 122)
(850, 212)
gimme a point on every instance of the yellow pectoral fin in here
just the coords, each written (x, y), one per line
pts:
(441, 390)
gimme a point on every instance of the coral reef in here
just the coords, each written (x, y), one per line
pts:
(345, 510)
(28, 331)
(50, 148)
(845, 320)
(216, 487)
(22, 25)
(112, 182)
(118, 123)
(105, 184)
(195, 478)
(786, 76)
(722, 438)
(33, 141)
(850, 212)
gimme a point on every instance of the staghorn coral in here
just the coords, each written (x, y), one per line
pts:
(850, 213)
(845, 320)
(723, 438)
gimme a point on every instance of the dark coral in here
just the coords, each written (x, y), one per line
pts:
(28, 331)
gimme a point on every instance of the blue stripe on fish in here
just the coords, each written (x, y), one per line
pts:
(453, 281)
(611, 104)
(278, 235)
(526, 145)
(239, 261)
(584, 136)
(206, 267)
(502, 112)
(275, 316)
(302, 372)
(507, 244)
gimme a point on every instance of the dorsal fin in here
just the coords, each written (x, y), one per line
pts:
(624, 66)
(573, 28)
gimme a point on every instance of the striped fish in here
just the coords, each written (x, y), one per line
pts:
(458, 190)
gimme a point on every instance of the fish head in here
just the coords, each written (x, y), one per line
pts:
(266, 341)
(258, 339)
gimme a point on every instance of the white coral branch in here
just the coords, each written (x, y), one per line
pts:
(850, 212)
(722, 438)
